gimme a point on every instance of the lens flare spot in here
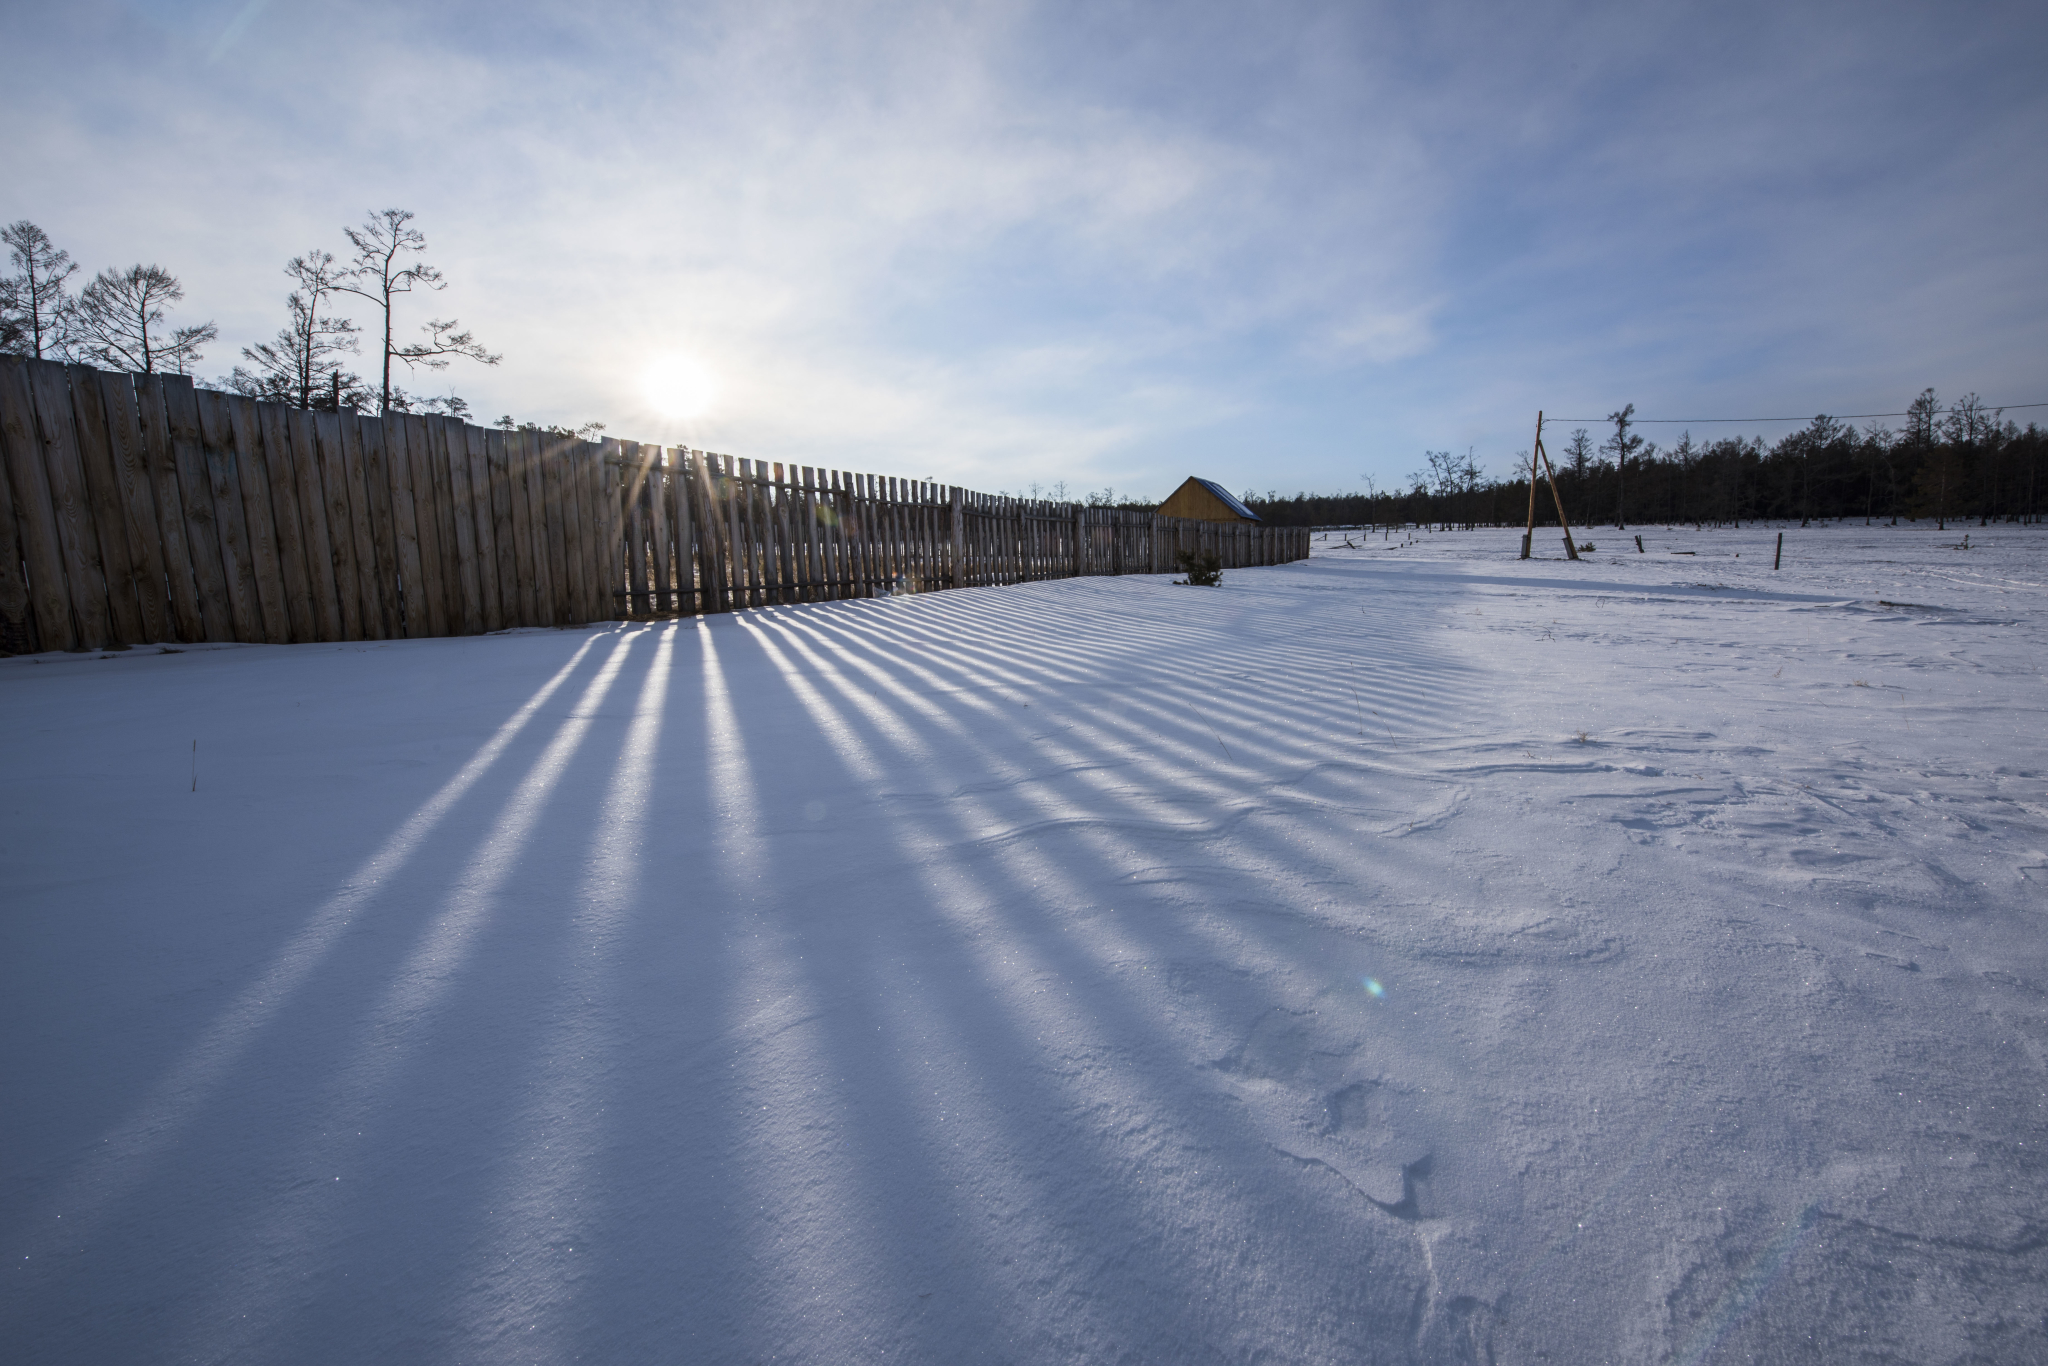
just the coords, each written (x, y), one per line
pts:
(1373, 987)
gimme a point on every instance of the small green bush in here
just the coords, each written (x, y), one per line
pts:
(1203, 571)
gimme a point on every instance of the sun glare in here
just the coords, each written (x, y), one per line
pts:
(678, 386)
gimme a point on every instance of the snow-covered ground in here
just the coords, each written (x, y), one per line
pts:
(1411, 954)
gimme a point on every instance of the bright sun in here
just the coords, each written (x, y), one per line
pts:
(678, 386)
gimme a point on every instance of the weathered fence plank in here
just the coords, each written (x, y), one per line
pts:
(136, 491)
(57, 439)
(370, 435)
(324, 440)
(176, 524)
(103, 505)
(313, 523)
(343, 434)
(35, 511)
(504, 535)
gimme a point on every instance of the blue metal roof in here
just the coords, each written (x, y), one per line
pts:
(1230, 500)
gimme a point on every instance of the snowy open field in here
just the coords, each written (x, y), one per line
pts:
(1408, 955)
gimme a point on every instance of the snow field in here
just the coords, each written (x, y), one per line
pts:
(1407, 955)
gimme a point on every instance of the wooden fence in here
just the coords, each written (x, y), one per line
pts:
(138, 509)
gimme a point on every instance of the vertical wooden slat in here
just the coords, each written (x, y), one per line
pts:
(827, 514)
(742, 533)
(634, 516)
(369, 438)
(445, 515)
(415, 611)
(57, 441)
(264, 455)
(544, 530)
(819, 529)
(584, 529)
(504, 538)
(711, 536)
(726, 480)
(136, 489)
(897, 492)
(764, 535)
(558, 529)
(528, 478)
(797, 529)
(445, 573)
(218, 448)
(766, 477)
(362, 518)
(338, 499)
(483, 511)
(875, 528)
(17, 625)
(179, 526)
(956, 539)
(575, 586)
(48, 595)
(588, 468)
(103, 499)
(452, 448)
(42, 548)
(658, 528)
(795, 563)
(687, 601)
(612, 505)
(519, 450)
(760, 532)
(426, 596)
(790, 559)
(315, 518)
(858, 570)
(850, 565)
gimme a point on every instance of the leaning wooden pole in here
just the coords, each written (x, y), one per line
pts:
(1571, 551)
(1529, 534)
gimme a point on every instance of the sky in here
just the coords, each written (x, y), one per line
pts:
(1283, 245)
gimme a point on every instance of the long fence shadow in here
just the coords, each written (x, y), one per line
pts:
(925, 979)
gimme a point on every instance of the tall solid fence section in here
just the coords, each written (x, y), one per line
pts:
(139, 508)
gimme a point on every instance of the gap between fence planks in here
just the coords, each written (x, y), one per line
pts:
(138, 509)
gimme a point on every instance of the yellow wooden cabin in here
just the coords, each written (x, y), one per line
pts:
(1205, 500)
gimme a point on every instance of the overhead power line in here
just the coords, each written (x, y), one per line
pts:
(1839, 417)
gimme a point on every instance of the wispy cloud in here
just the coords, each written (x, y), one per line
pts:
(1006, 241)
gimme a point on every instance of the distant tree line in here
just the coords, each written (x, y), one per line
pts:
(1947, 462)
(119, 321)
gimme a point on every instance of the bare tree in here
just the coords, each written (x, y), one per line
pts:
(1578, 455)
(33, 302)
(302, 365)
(377, 274)
(118, 321)
(1622, 445)
(1922, 429)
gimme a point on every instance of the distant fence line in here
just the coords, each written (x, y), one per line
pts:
(137, 509)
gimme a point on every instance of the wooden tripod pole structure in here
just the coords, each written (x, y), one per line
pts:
(1541, 457)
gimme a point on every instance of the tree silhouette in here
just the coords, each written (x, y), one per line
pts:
(302, 365)
(377, 274)
(118, 321)
(1622, 446)
(33, 302)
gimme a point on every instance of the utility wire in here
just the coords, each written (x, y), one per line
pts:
(1839, 417)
